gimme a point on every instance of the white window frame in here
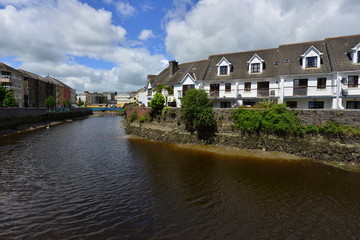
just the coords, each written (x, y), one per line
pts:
(311, 52)
(355, 54)
(256, 60)
(224, 63)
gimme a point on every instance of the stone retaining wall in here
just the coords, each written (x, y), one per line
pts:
(170, 129)
(21, 119)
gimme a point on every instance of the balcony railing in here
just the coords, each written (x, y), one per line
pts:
(263, 93)
(300, 91)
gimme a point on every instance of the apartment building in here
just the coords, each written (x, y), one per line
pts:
(13, 79)
(311, 75)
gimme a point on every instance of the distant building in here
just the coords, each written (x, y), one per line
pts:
(37, 89)
(13, 79)
(122, 99)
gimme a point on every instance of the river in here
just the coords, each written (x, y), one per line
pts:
(87, 180)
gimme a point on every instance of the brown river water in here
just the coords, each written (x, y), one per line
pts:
(87, 180)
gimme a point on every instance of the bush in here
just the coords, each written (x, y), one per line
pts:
(274, 119)
(197, 113)
(145, 118)
(157, 103)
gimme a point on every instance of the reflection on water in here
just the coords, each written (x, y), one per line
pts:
(84, 180)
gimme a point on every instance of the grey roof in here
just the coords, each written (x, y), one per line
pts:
(27, 74)
(239, 62)
(339, 49)
(196, 69)
(3, 66)
(284, 60)
(293, 53)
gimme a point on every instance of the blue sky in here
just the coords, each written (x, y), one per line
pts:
(111, 45)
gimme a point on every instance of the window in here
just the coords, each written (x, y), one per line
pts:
(353, 81)
(311, 62)
(225, 105)
(223, 70)
(249, 104)
(227, 87)
(291, 104)
(353, 105)
(248, 86)
(321, 83)
(316, 105)
(149, 92)
(255, 67)
(358, 56)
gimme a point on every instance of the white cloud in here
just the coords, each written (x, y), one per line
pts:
(125, 9)
(213, 26)
(43, 36)
(146, 34)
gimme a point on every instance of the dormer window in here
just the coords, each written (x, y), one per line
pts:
(311, 58)
(256, 64)
(355, 54)
(311, 62)
(224, 67)
(255, 67)
(223, 70)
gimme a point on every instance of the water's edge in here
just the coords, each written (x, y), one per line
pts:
(344, 156)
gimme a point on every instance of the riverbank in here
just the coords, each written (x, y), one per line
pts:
(332, 148)
(19, 120)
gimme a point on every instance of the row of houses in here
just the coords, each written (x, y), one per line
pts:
(311, 75)
(31, 90)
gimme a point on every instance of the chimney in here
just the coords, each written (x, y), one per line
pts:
(173, 67)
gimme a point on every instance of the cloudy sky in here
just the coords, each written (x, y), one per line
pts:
(111, 45)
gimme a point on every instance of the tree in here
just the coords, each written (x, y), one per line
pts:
(157, 103)
(80, 102)
(198, 114)
(2, 93)
(50, 102)
(9, 100)
(67, 103)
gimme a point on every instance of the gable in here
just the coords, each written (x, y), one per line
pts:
(188, 79)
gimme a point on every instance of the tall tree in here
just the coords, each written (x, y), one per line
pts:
(9, 100)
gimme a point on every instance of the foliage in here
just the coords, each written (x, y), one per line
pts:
(145, 118)
(80, 102)
(266, 103)
(198, 114)
(276, 119)
(164, 111)
(133, 115)
(159, 88)
(9, 100)
(50, 102)
(67, 103)
(157, 103)
(2, 93)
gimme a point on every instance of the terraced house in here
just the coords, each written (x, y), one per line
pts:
(311, 75)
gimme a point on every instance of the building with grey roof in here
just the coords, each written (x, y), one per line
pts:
(308, 75)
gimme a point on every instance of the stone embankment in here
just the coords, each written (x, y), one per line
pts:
(14, 120)
(170, 129)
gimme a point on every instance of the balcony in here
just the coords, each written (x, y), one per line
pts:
(300, 91)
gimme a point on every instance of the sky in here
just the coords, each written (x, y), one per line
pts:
(112, 45)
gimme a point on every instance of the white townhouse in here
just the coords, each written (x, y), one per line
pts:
(312, 75)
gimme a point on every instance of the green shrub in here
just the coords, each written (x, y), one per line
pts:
(157, 103)
(133, 115)
(145, 118)
(276, 119)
